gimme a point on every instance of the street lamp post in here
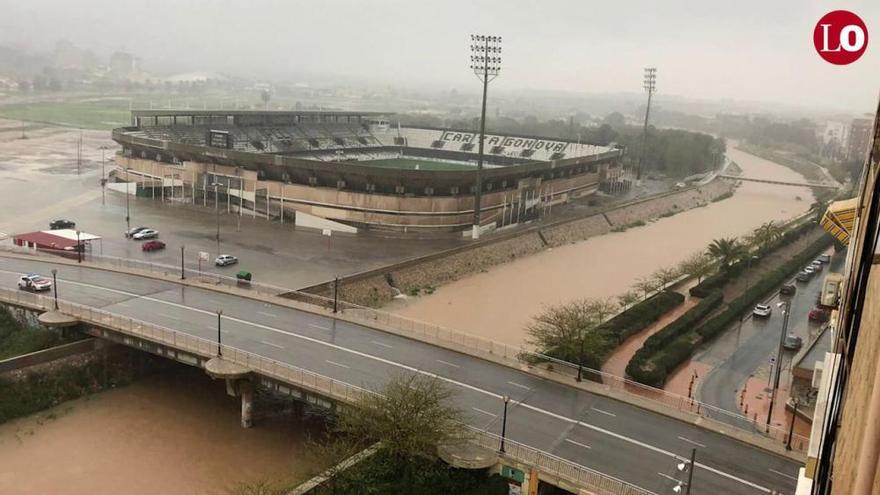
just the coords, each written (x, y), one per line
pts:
(486, 64)
(335, 293)
(182, 269)
(217, 207)
(785, 313)
(127, 203)
(219, 342)
(103, 176)
(791, 426)
(55, 286)
(504, 423)
(581, 357)
(78, 248)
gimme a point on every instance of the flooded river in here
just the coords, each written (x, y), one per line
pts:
(500, 302)
(171, 434)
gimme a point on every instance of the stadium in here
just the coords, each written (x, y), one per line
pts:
(354, 171)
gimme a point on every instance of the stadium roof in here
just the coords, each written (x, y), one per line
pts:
(172, 112)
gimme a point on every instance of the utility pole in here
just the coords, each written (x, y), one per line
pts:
(650, 85)
(103, 175)
(785, 313)
(691, 470)
(486, 64)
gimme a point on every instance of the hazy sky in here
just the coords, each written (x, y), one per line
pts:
(746, 50)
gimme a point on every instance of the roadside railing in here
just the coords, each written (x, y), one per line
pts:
(329, 387)
(510, 355)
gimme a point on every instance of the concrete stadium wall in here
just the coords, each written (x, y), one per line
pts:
(377, 287)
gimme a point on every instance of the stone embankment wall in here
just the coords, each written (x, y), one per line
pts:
(377, 287)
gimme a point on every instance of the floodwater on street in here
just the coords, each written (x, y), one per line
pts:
(499, 303)
(174, 433)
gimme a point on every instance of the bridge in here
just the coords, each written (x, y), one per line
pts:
(821, 185)
(587, 438)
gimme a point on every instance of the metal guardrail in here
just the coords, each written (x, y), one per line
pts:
(329, 387)
(513, 356)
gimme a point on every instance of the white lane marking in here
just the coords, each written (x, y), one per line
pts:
(484, 412)
(671, 478)
(603, 412)
(519, 385)
(270, 315)
(431, 375)
(334, 363)
(124, 305)
(578, 444)
(698, 444)
(448, 363)
(166, 315)
(380, 344)
(271, 344)
(317, 326)
(783, 474)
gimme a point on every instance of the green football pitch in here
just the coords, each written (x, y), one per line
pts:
(415, 163)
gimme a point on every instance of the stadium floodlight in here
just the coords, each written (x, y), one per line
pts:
(486, 64)
(650, 85)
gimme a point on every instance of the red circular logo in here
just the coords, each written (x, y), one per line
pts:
(840, 37)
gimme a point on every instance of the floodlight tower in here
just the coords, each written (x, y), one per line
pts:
(650, 85)
(486, 64)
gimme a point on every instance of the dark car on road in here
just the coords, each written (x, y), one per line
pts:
(152, 246)
(788, 290)
(62, 224)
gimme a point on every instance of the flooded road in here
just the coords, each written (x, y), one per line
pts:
(171, 434)
(499, 303)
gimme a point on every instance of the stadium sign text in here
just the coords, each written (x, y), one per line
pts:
(513, 143)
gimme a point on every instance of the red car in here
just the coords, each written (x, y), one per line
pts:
(153, 245)
(819, 314)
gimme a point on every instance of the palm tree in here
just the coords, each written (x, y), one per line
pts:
(727, 250)
(766, 234)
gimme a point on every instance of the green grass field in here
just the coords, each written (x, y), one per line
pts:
(413, 163)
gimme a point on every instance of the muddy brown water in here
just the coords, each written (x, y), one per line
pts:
(499, 303)
(174, 433)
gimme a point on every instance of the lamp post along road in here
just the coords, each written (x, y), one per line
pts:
(55, 286)
(486, 64)
(785, 313)
(219, 342)
(506, 400)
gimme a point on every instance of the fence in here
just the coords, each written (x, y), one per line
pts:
(509, 355)
(329, 387)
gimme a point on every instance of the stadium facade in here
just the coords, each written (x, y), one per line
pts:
(353, 169)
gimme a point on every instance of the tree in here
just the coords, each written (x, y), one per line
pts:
(664, 276)
(645, 286)
(627, 299)
(765, 234)
(568, 331)
(411, 416)
(726, 251)
(696, 265)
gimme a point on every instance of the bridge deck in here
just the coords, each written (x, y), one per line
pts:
(629, 443)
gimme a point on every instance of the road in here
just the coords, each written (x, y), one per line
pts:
(618, 439)
(758, 340)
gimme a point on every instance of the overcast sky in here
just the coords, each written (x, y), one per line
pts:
(744, 50)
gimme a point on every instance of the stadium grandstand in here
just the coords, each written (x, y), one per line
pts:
(354, 170)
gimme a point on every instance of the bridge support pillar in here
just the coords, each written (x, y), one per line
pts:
(246, 388)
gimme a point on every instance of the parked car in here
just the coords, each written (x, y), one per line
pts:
(792, 342)
(146, 234)
(135, 230)
(62, 224)
(788, 290)
(225, 260)
(244, 276)
(809, 269)
(680, 185)
(34, 283)
(817, 265)
(762, 310)
(803, 276)
(825, 258)
(152, 245)
(819, 314)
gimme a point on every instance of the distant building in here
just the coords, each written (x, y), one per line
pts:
(858, 139)
(834, 140)
(123, 64)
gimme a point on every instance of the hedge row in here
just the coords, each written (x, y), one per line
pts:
(652, 362)
(613, 332)
(722, 277)
(652, 365)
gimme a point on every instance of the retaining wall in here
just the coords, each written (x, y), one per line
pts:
(377, 287)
